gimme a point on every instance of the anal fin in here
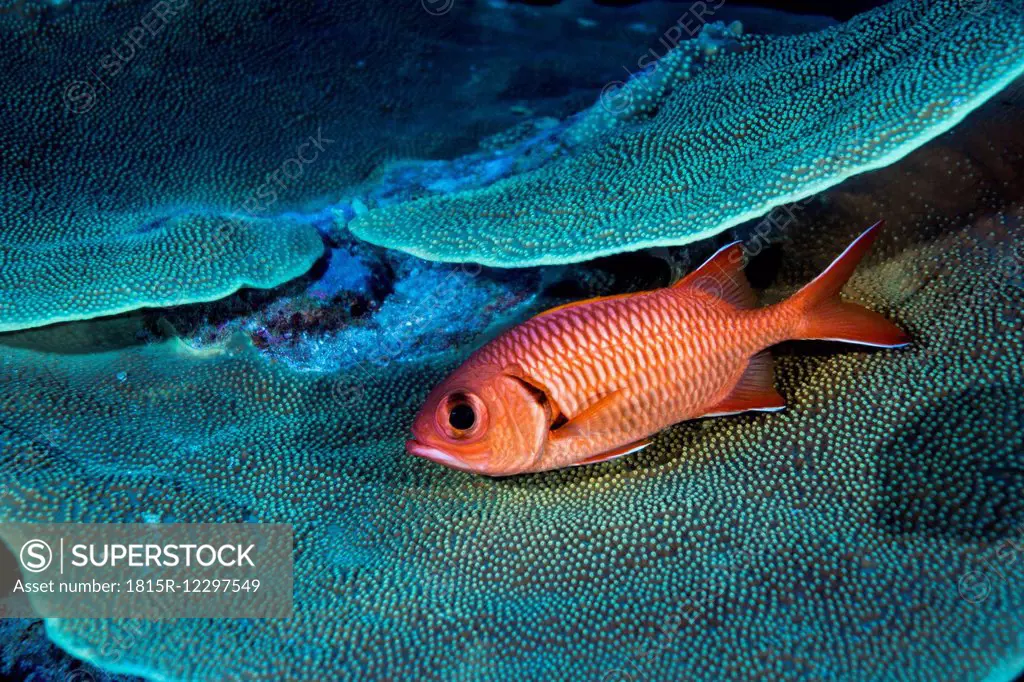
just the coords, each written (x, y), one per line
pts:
(755, 390)
(614, 453)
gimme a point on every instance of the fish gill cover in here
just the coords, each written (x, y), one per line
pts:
(856, 535)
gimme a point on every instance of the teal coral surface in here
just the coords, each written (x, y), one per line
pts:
(832, 539)
(123, 117)
(722, 129)
(870, 532)
(50, 277)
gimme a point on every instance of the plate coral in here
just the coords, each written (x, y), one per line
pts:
(720, 130)
(862, 534)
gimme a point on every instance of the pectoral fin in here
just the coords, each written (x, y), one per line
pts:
(627, 449)
(595, 419)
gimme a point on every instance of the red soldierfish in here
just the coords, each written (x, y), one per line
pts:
(591, 381)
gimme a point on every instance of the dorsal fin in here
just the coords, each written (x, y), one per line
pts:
(722, 276)
(583, 302)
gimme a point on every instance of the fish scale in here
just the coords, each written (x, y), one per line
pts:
(679, 344)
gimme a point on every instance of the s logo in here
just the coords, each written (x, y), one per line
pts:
(36, 556)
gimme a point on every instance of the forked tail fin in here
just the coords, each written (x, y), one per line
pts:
(824, 316)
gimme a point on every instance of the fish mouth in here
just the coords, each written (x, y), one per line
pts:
(414, 447)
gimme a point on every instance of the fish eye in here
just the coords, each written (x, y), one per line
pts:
(462, 416)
